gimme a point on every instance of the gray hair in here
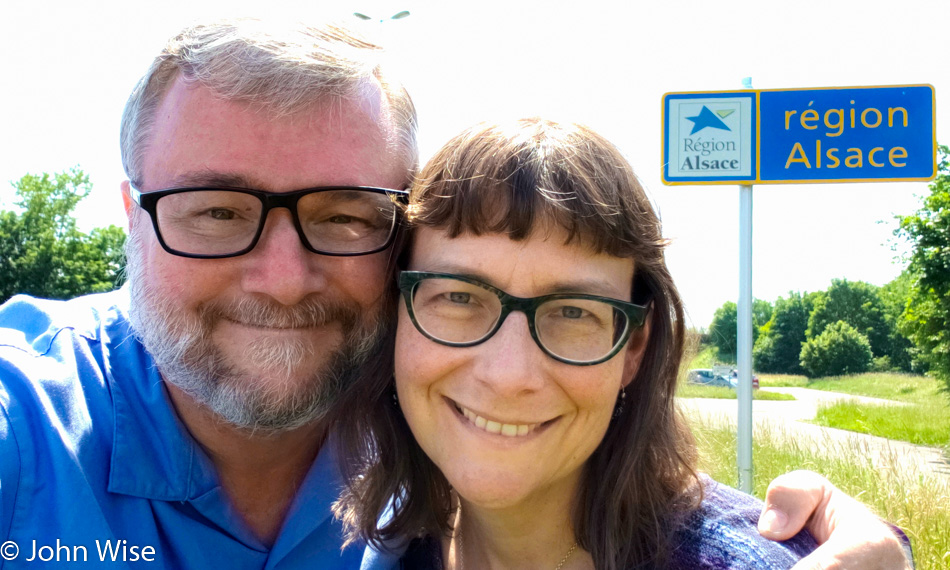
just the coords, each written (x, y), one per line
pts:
(280, 69)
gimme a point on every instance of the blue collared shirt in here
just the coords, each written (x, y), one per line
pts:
(95, 465)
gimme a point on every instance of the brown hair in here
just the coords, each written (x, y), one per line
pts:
(509, 179)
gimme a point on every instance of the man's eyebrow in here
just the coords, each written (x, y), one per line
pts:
(210, 179)
(349, 196)
(213, 179)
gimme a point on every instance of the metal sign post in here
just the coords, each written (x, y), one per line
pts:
(744, 341)
(744, 336)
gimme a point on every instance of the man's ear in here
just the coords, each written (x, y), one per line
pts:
(127, 202)
(636, 347)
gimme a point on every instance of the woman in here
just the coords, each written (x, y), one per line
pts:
(538, 343)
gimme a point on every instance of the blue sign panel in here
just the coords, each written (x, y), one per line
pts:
(847, 134)
(835, 134)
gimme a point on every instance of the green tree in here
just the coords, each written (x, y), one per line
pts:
(779, 346)
(723, 332)
(839, 349)
(899, 350)
(926, 317)
(856, 303)
(761, 313)
(42, 253)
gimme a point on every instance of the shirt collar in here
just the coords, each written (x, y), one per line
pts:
(152, 454)
(313, 504)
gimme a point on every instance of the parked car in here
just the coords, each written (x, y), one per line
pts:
(734, 377)
(706, 377)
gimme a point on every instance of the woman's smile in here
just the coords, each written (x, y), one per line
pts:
(497, 427)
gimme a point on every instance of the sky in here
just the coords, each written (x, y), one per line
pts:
(70, 65)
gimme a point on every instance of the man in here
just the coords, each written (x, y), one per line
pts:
(184, 421)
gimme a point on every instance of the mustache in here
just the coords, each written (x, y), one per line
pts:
(264, 312)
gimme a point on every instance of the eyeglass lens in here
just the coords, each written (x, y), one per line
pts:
(219, 222)
(460, 312)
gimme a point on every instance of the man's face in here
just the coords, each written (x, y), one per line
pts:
(266, 339)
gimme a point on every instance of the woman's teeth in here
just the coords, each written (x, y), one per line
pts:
(509, 430)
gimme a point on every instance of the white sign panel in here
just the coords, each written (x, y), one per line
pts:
(709, 137)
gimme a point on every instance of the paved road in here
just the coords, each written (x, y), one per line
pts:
(791, 417)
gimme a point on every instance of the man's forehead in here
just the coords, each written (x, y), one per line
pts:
(373, 101)
(367, 98)
(202, 139)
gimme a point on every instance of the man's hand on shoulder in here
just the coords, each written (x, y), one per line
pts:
(849, 534)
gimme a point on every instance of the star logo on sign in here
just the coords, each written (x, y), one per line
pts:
(706, 118)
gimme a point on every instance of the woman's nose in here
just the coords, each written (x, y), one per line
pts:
(510, 362)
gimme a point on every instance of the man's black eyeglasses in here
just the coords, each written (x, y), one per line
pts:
(227, 222)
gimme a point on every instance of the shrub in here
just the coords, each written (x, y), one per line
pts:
(883, 364)
(840, 349)
(856, 303)
(763, 354)
(779, 347)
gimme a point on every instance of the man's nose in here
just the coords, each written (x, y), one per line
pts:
(280, 266)
(510, 362)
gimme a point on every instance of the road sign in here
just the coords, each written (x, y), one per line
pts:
(839, 134)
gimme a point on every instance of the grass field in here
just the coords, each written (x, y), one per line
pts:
(700, 357)
(926, 423)
(925, 420)
(686, 390)
(901, 387)
(917, 502)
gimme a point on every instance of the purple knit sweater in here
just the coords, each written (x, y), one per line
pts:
(720, 535)
(723, 534)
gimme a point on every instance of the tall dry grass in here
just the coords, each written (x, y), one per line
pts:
(910, 496)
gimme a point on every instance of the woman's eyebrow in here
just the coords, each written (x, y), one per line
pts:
(453, 269)
(589, 286)
(583, 285)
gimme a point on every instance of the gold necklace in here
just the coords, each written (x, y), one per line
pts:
(461, 558)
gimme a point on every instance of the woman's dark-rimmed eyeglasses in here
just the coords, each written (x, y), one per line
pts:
(574, 328)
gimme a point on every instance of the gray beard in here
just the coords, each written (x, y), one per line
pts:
(180, 343)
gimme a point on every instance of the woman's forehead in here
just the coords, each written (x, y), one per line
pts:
(542, 263)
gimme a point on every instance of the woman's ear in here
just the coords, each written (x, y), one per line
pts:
(636, 346)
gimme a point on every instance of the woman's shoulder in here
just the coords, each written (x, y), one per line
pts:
(722, 533)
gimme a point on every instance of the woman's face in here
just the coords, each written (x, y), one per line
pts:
(454, 398)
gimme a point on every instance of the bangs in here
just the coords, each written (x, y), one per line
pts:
(487, 180)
